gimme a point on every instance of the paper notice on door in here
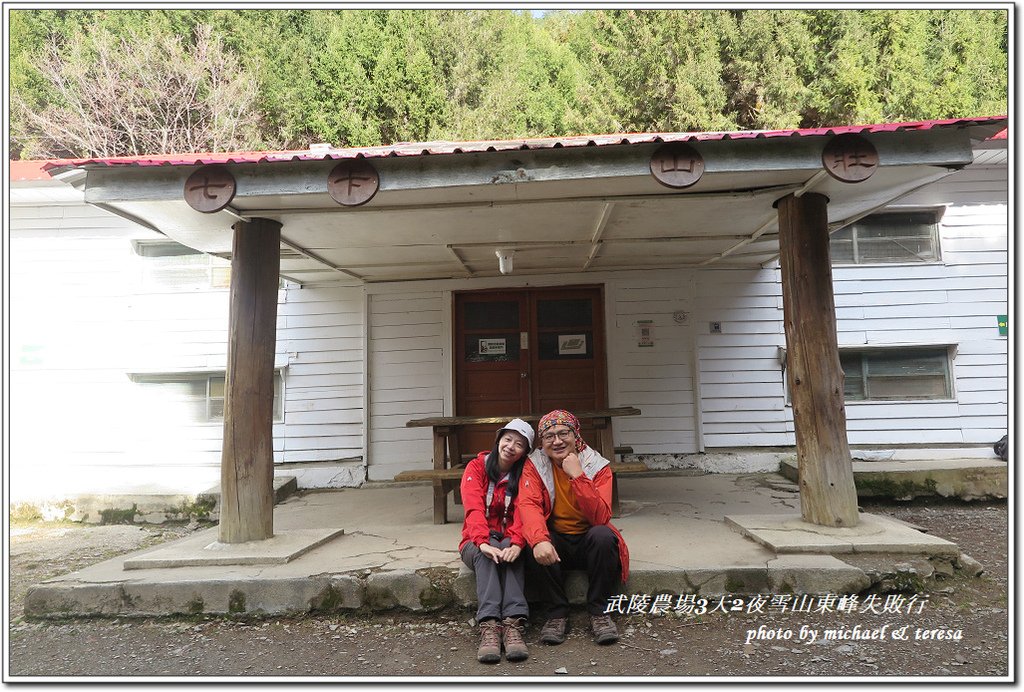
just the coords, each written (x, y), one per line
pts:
(572, 344)
(492, 347)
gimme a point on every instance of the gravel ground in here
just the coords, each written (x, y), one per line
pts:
(444, 644)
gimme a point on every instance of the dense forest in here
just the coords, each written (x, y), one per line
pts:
(122, 82)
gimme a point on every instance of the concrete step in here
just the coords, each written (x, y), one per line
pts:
(424, 590)
(905, 479)
(376, 549)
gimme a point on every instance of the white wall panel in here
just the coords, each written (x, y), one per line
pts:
(405, 381)
(953, 301)
(81, 319)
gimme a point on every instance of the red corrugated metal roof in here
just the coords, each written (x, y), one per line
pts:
(28, 170)
(441, 148)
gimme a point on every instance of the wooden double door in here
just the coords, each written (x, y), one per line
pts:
(527, 351)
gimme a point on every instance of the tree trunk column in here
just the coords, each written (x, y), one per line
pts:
(828, 496)
(247, 458)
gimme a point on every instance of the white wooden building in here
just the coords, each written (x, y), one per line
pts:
(119, 334)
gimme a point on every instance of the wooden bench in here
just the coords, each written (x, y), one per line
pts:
(447, 458)
(619, 451)
(455, 474)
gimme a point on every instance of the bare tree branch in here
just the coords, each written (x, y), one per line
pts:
(153, 94)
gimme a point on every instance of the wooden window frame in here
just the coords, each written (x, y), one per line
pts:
(217, 269)
(208, 377)
(857, 227)
(946, 351)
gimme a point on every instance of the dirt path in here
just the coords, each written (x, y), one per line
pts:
(711, 644)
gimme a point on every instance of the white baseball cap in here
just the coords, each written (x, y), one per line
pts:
(519, 426)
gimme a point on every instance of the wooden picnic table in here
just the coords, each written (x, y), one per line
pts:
(447, 456)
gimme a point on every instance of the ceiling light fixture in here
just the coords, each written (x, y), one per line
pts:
(505, 260)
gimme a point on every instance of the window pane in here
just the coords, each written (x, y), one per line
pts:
(564, 313)
(913, 222)
(889, 237)
(492, 315)
(575, 346)
(853, 386)
(216, 409)
(905, 363)
(174, 400)
(194, 398)
(180, 272)
(895, 249)
(215, 405)
(220, 273)
(908, 388)
(896, 374)
(161, 248)
(491, 348)
(841, 246)
(278, 396)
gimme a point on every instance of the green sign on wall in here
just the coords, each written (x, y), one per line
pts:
(1004, 324)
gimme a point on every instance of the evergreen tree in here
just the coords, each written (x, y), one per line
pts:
(89, 81)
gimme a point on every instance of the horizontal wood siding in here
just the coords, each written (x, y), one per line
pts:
(83, 319)
(406, 362)
(320, 334)
(742, 392)
(954, 301)
(80, 324)
(657, 379)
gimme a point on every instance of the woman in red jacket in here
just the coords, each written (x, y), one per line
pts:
(492, 540)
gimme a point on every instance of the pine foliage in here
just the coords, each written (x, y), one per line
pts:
(115, 82)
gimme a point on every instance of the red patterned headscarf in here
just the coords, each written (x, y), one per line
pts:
(560, 417)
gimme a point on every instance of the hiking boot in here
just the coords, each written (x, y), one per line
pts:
(605, 631)
(554, 630)
(490, 642)
(512, 638)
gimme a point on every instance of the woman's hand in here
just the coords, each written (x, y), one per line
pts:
(511, 553)
(491, 552)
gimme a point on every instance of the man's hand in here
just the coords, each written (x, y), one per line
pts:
(545, 554)
(572, 466)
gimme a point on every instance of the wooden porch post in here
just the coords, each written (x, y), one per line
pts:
(247, 459)
(828, 496)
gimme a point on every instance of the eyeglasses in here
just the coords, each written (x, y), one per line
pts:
(563, 435)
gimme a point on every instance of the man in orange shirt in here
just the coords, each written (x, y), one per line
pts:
(565, 498)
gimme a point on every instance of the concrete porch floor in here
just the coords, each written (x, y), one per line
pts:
(376, 548)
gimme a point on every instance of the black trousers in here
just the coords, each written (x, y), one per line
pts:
(596, 552)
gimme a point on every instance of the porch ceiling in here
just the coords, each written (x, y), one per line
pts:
(569, 210)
